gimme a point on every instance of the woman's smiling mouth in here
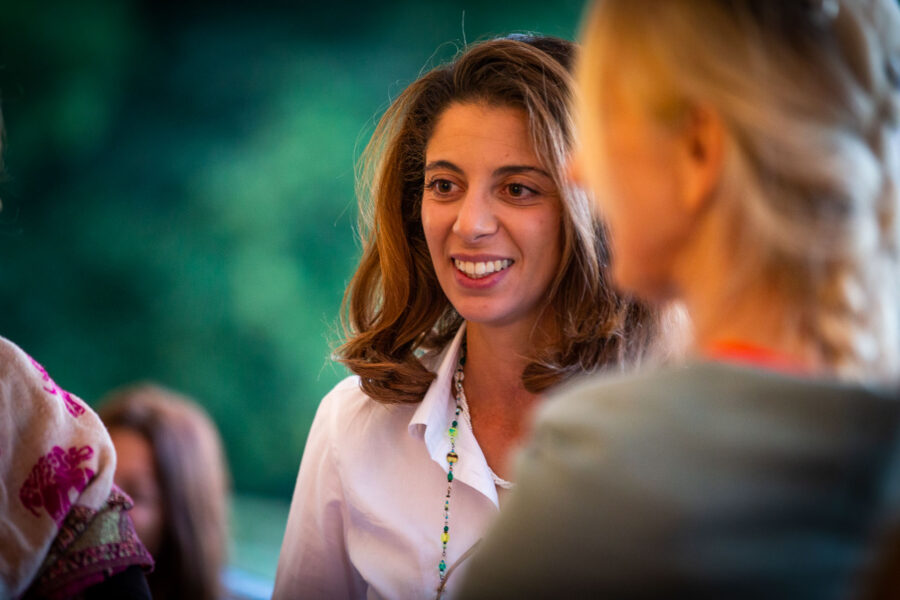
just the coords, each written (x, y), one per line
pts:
(479, 269)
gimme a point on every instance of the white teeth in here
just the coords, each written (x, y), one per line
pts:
(477, 270)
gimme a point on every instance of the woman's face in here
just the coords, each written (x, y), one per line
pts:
(136, 475)
(491, 215)
(632, 164)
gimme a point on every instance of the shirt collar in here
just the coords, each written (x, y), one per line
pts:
(433, 417)
(436, 409)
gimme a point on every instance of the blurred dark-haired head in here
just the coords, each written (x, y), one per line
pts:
(170, 461)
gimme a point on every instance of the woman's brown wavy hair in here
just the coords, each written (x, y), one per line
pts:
(394, 308)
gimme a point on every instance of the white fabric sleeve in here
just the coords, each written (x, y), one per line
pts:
(314, 561)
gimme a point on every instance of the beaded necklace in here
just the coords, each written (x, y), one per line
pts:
(452, 457)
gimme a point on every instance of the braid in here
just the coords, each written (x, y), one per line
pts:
(884, 141)
(840, 321)
(857, 315)
(886, 145)
(854, 310)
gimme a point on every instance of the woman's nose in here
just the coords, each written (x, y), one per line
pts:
(476, 218)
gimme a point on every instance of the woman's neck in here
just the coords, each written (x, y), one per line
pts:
(495, 360)
(746, 332)
(758, 316)
(499, 404)
(759, 313)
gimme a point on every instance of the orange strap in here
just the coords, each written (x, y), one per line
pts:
(736, 351)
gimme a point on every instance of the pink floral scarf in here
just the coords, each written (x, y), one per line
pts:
(63, 525)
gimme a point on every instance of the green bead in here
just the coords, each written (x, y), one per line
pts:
(452, 457)
(442, 566)
(454, 424)
(446, 529)
(453, 431)
(450, 476)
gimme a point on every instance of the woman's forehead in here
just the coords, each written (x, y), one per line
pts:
(477, 133)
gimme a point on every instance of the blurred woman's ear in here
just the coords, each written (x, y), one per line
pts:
(701, 157)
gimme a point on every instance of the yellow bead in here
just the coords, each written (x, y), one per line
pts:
(445, 537)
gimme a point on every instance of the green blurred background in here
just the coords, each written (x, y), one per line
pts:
(178, 199)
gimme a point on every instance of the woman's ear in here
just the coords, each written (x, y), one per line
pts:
(701, 156)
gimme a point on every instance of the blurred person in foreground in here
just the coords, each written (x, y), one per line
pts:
(172, 465)
(482, 283)
(746, 156)
(65, 532)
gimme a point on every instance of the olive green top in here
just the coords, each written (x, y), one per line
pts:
(709, 480)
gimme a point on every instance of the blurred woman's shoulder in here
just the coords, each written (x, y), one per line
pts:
(24, 377)
(679, 391)
(15, 362)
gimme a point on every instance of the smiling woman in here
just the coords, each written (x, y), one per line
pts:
(491, 215)
(482, 283)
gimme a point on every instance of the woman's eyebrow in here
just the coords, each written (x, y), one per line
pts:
(443, 164)
(499, 172)
(516, 169)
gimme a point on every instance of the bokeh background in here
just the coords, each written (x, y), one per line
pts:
(178, 199)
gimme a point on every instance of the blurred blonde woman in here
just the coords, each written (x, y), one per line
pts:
(170, 462)
(483, 282)
(745, 154)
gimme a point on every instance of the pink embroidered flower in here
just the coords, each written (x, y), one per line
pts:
(72, 405)
(52, 479)
(74, 408)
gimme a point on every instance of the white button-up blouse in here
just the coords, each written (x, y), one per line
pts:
(368, 509)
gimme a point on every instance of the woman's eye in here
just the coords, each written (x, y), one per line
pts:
(518, 190)
(440, 186)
